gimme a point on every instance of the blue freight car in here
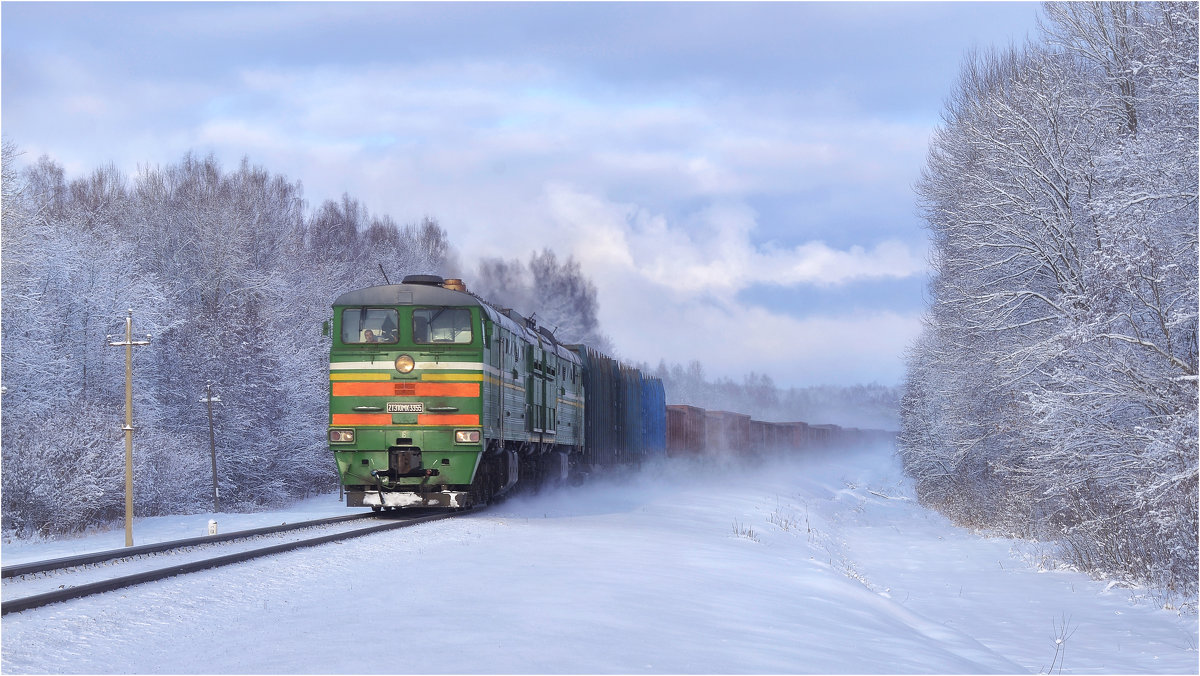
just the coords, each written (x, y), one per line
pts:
(625, 419)
(654, 417)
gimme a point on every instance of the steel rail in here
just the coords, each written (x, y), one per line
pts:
(18, 569)
(39, 600)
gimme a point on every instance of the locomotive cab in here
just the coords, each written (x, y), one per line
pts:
(405, 394)
(437, 398)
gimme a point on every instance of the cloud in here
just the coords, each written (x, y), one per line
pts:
(461, 118)
(715, 252)
(651, 196)
(733, 338)
(664, 196)
(675, 292)
(816, 263)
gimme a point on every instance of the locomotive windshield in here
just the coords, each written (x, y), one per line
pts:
(369, 325)
(442, 325)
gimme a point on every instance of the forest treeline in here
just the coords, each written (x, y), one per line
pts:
(1053, 391)
(232, 276)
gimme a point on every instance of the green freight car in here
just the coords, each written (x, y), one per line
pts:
(437, 398)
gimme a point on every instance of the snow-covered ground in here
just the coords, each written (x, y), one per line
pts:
(820, 565)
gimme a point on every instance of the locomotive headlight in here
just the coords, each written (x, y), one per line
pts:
(341, 436)
(405, 363)
(466, 436)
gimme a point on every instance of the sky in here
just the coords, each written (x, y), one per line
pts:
(736, 178)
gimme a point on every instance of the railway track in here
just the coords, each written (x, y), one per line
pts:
(40, 583)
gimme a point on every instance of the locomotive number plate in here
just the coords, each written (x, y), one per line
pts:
(400, 407)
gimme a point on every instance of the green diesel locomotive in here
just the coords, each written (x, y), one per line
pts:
(437, 398)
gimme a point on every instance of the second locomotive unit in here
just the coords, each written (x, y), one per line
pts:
(437, 398)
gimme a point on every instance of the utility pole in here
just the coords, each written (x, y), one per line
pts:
(128, 344)
(212, 441)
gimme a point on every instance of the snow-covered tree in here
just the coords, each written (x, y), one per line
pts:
(233, 280)
(561, 296)
(1053, 392)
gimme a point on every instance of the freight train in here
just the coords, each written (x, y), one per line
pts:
(695, 431)
(438, 398)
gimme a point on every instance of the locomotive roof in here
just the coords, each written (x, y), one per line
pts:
(406, 294)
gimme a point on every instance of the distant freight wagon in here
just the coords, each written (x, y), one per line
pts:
(695, 431)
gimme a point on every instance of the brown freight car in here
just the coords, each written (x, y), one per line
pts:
(777, 437)
(727, 432)
(760, 436)
(685, 430)
(825, 436)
